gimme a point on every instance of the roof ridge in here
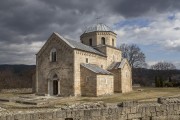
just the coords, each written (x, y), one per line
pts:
(79, 45)
(64, 39)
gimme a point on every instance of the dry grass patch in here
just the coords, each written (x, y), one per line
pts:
(147, 94)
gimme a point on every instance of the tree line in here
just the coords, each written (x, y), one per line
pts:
(137, 59)
(16, 76)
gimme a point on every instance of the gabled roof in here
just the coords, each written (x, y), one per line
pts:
(96, 69)
(80, 46)
(117, 65)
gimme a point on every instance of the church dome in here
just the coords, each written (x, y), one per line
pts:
(98, 27)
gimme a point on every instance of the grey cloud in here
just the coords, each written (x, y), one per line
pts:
(28, 21)
(135, 8)
(177, 28)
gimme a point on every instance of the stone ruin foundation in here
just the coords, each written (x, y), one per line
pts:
(163, 109)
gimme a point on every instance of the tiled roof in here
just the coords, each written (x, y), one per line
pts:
(80, 46)
(116, 65)
(98, 27)
(96, 69)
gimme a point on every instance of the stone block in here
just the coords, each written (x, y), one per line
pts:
(163, 107)
(171, 107)
(109, 117)
(139, 109)
(87, 113)
(104, 112)
(27, 117)
(96, 118)
(179, 106)
(123, 117)
(158, 108)
(152, 109)
(133, 109)
(128, 104)
(146, 118)
(134, 116)
(10, 117)
(165, 113)
(42, 116)
(19, 117)
(175, 107)
(163, 100)
(126, 110)
(173, 117)
(69, 113)
(120, 109)
(49, 115)
(153, 113)
(75, 113)
(2, 117)
(95, 112)
(61, 114)
(158, 113)
(87, 118)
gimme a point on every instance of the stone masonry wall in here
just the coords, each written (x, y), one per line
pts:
(113, 55)
(80, 57)
(126, 79)
(105, 84)
(163, 109)
(63, 67)
(88, 82)
(117, 79)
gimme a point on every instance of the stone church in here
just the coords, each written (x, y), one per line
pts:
(92, 67)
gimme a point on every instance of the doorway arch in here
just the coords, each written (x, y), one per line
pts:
(54, 85)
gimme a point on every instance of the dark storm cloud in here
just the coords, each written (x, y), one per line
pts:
(23, 17)
(29, 21)
(20, 18)
(135, 8)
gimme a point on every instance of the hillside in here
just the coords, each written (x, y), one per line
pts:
(146, 77)
(21, 76)
(16, 76)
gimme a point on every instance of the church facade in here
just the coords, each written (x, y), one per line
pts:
(91, 67)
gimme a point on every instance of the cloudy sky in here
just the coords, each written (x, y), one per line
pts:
(25, 25)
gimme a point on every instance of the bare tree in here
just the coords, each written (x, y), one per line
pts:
(134, 55)
(163, 66)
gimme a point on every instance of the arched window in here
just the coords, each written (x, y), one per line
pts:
(103, 41)
(90, 42)
(53, 55)
(112, 42)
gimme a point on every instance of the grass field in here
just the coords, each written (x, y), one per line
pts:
(141, 94)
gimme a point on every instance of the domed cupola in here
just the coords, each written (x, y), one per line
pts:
(98, 34)
(98, 27)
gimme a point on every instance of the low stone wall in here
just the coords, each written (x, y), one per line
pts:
(163, 109)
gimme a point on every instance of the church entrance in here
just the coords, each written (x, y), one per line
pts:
(55, 87)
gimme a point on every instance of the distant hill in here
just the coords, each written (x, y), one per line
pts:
(17, 68)
(16, 76)
(146, 77)
(22, 76)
